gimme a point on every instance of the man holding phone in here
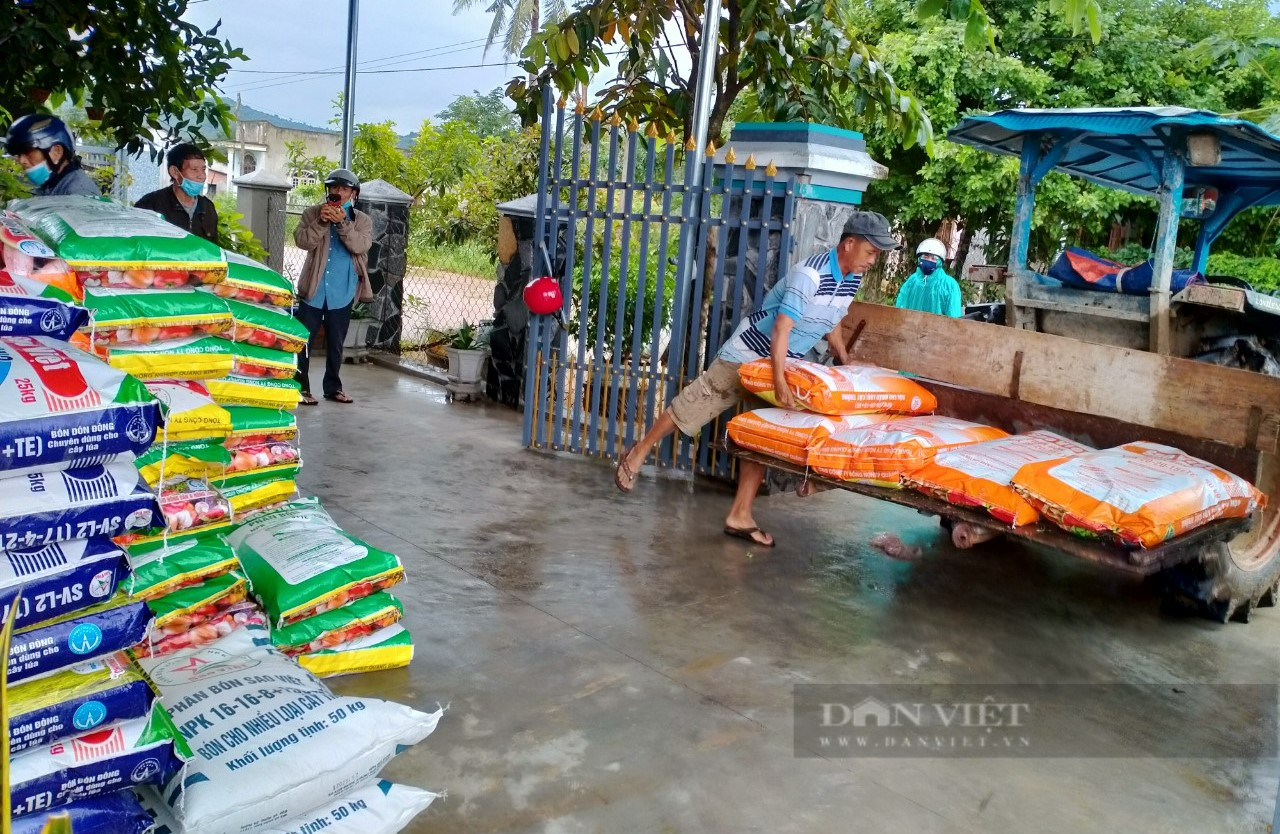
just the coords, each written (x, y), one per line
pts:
(336, 237)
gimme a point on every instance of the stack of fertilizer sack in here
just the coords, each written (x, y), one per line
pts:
(83, 725)
(265, 750)
(866, 424)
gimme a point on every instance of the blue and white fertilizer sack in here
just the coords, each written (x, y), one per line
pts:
(33, 308)
(140, 751)
(379, 808)
(59, 578)
(76, 700)
(42, 508)
(117, 813)
(95, 632)
(270, 742)
(62, 408)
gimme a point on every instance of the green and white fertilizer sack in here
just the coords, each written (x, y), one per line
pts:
(380, 808)
(61, 407)
(140, 751)
(112, 245)
(270, 741)
(300, 563)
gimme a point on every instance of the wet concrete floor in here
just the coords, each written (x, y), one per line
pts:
(616, 664)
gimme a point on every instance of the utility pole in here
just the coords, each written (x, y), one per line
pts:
(349, 96)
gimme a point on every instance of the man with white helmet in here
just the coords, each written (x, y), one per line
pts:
(930, 289)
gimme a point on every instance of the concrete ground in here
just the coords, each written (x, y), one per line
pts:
(615, 664)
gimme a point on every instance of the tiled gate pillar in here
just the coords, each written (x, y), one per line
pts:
(388, 208)
(832, 171)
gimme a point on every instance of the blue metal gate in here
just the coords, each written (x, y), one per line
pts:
(656, 270)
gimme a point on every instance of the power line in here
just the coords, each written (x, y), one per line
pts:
(304, 75)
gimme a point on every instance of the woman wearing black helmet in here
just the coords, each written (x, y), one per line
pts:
(43, 146)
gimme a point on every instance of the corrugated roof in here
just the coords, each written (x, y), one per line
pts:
(1121, 147)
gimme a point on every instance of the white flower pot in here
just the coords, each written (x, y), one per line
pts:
(466, 367)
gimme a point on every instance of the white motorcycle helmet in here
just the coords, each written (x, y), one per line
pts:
(932, 246)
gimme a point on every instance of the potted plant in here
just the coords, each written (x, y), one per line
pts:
(468, 349)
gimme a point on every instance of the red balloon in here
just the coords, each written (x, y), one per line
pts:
(542, 296)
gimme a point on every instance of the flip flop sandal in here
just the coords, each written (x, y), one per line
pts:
(748, 534)
(339, 398)
(307, 399)
(623, 478)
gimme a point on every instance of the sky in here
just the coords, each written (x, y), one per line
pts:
(282, 37)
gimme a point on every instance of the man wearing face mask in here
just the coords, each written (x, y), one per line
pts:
(43, 146)
(183, 203)
(337, 237)
(930, 289)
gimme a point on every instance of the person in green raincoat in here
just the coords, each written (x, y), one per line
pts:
(930, 289)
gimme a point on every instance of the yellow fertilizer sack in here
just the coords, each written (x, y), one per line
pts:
(233, 390)
(981, 475)
(844, 389)
(257, 494)
(197, 357)
(300, 563)
(790, 435)
(190, 413)
(1136, 495)
(387, 648)
(881, 455)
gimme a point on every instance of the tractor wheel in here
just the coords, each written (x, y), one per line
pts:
(1232, 579)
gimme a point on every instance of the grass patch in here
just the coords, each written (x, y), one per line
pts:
(468, 258)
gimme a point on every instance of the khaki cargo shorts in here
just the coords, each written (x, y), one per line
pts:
(707, 397)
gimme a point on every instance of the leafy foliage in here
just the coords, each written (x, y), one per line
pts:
(798, 57)
(1147, 58)
(234, 235)
(488, 114)
(148, 71)
(514, 20)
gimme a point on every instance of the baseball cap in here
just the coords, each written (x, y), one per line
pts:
(874, 227)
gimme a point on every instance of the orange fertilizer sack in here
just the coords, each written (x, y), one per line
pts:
(844, 389)
(790, 435)
(979, 475)
(881, 455)
(1137, 495)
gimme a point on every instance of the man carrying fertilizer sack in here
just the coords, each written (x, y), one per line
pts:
(930, 289)
(804, 307)
(43, 146)
(183, 203)
(337, 237)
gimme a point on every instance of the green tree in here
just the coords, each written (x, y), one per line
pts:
(143, 69)
(440, 156)
(515, 20)
(376, 154)
(488, 114)
(1149, 57)
(797, 56)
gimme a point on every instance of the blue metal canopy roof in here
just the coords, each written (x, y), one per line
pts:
(1123, 147)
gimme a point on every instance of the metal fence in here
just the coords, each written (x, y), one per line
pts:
(660, 263)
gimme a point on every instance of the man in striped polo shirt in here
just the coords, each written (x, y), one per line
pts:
(804, 307)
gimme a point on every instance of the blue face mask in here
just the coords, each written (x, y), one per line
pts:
(39, 174)
(192, 188)
(346, 206)
(927, 267)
